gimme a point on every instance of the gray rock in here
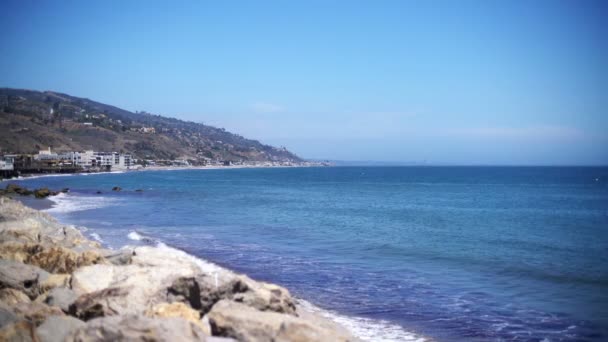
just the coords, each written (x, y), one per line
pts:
(152, 278)
(58, 328)
(242, 289)
(12, 297)
(121, 257)
(264, 296)
(235, 320)
(35, 312)
(244, 323)
(185, 290)
(42, 192)
(22, 224)
(7, 316)
(20, 331)
(102, 303)
(61, 297)
(22, 277)
(137, 328)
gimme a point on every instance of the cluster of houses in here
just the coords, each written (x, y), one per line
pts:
(86, 160)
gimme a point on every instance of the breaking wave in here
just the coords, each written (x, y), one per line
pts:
(65, 203)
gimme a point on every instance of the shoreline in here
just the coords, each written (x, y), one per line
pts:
(363, 328)
(233, 305)
(153, 168)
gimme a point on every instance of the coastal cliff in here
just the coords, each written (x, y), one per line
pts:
(56, 285)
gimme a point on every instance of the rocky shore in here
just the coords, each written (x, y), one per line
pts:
(56, 285)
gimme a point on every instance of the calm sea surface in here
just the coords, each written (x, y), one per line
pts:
(455, 253)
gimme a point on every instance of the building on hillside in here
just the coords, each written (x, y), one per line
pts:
(147, 130)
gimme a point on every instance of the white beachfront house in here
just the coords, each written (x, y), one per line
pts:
(7, 163)
(111, 160)
(89, 159)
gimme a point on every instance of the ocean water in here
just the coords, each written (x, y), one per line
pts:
(394, 253)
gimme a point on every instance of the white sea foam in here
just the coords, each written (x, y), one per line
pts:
(37, 176)
(135, 236)
(367, 329)
(96, 237)
(65, 203)
(204, 265)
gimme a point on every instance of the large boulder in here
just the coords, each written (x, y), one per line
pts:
(42, 192)
(18, 251)
(20, 331)
(244, 323)
(63, 260)
(55, 280)
(54, 259)
(34, 312)
(131, 289)
(7, 316)
(19, 223)
(263, 296)
(185, 290)
(242, 289)
(231, 319)
(22, 277)
(16, 189)
(61, 297)
(106, 302)
(92, 278)
(137, 328)
(107, 290)
(176, 310)
(120, 257)
(13, 297)
(58, 328)
(23, 231)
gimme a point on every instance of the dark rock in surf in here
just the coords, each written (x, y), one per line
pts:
(42, 193)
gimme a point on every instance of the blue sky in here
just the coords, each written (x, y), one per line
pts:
(460, 82)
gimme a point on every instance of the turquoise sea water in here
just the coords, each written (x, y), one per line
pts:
(455, 253)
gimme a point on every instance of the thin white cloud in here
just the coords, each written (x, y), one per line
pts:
(265, 107)
(390, 115)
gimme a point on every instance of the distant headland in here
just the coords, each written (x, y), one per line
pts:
(50, 132)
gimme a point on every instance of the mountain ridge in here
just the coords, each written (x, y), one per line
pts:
(31, 120)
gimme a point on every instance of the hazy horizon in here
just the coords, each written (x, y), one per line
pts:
(437, 83)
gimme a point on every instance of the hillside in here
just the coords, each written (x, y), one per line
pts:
(31, 120)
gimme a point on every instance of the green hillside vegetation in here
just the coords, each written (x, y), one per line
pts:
(33, 120)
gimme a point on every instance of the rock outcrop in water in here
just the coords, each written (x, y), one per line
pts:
(14, 189)
(56, 285)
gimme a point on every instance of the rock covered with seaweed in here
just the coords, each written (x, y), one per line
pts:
(56, 285)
